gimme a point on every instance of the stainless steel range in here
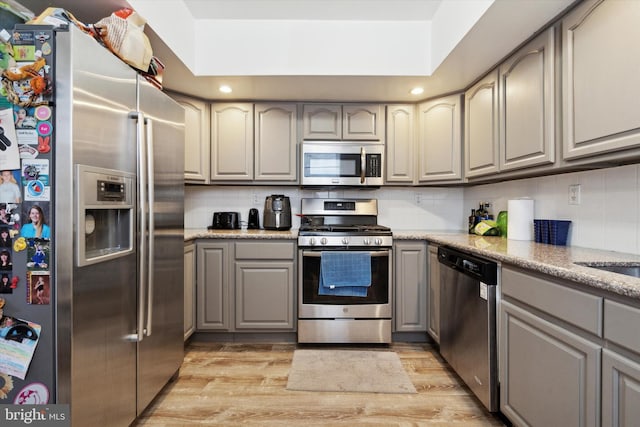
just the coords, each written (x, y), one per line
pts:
(345, 273)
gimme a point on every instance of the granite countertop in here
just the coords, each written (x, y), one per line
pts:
(203, 233)
(558, 261)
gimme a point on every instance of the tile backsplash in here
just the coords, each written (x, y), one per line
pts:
(608, 216)
(399, 208)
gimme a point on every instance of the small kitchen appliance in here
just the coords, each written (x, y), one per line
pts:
(277, 212)
(253, 222)
(225, 221)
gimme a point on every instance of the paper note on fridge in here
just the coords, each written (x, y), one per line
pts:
(9, 153)
(18, 340)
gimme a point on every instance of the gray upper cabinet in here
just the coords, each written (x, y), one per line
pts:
(410, 270)
(363, 122)
(481, 139)
(600, 78)
(322, 121)
(197, 139)
(527, 105)
(348, 121)
(231, 142)
(275, 142)
(400, 147)
(440, 139)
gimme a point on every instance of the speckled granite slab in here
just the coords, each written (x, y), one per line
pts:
(558, 261)
(203, 233)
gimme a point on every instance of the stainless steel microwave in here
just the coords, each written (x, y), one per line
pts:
(349, 163)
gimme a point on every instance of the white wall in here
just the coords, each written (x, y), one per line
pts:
(608, 217)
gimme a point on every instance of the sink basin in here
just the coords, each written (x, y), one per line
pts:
(629, 270)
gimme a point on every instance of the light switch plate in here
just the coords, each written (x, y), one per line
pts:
(574, 194)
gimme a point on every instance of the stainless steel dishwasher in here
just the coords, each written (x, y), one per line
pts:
(468, 321)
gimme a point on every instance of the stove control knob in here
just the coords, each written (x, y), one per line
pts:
(366, 241)
(323, 240)
(312, 241)
(378, 241)
(345, 240)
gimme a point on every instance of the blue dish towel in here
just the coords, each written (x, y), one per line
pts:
(345, 273)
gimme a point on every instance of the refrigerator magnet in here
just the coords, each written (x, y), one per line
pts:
(32, 394)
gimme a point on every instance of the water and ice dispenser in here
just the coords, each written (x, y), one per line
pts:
(105, 214)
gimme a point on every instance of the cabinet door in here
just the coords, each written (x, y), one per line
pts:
(410, 259)
(400, 144)
(197, 139)
(275, 142)
(548, 375)
(362, 122)
(189, 290)
(620, 390)
(433, 326)
(231, 142)
(600, 79)
(265, 295)
(322, 121)
(481, 127)
(527, 105)
(212, 285)
(440, 139)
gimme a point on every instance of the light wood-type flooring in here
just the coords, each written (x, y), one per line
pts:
(232, 384)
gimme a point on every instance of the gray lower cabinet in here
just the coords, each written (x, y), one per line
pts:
(410, 275)
(246, 285)
(265, 285)
(212, 287)
(620, 390)
(550, 351)
(549, 376)
(189, 290)
(433, 324)
(621, 372)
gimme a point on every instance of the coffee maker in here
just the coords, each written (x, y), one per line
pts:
(277, 212)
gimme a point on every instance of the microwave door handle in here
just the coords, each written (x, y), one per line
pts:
(363, 164)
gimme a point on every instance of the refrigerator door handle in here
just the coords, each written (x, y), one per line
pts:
(151, 223)
(142, 200)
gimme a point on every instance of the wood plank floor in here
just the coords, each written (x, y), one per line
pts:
(231, 384)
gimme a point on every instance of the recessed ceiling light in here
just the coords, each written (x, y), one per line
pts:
(225, 89)
(417, 91)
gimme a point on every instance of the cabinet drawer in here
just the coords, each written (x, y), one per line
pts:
(621, 325)
(264, 250)
(577, 308)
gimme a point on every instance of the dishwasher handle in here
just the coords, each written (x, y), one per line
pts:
(481, 269)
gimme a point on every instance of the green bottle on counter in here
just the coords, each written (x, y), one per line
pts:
(502, 223)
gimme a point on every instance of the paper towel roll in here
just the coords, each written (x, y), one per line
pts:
(520, 219)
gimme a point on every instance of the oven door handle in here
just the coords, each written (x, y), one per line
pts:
(319, 253)
(363, 165)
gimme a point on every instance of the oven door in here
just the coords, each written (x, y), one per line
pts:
(376, 305)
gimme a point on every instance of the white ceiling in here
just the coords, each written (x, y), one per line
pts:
(184, 32)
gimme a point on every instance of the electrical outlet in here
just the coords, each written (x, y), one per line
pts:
(256, 200)
(574, 194)
(418, 198)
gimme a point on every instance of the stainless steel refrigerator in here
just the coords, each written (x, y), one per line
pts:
(113, 334)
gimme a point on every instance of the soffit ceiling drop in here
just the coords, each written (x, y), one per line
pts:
(326, 50)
